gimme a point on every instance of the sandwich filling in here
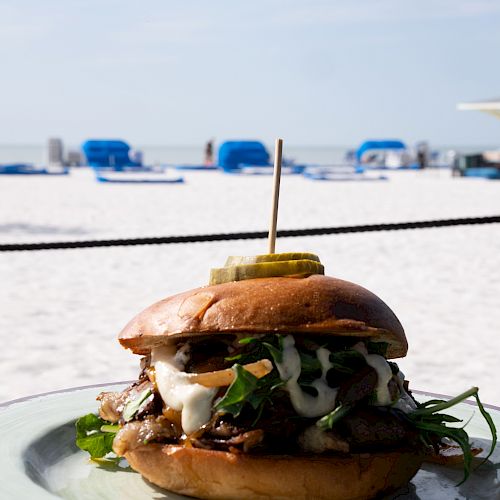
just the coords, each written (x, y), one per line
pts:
(276, 394)
(319, 395)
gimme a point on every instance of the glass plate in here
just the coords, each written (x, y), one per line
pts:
(39, 459)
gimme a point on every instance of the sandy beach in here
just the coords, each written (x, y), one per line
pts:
(62, 309)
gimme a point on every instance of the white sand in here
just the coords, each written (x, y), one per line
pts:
(61, 310)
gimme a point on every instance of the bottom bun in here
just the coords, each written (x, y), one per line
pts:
(220, 475)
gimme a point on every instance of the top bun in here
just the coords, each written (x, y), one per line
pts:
(318, 305)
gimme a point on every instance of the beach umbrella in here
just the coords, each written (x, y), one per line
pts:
(490, 106)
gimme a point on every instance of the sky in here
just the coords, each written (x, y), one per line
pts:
(315, 72)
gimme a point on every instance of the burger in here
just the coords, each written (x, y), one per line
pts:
(271, 387)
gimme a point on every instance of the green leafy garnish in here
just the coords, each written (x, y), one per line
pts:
(133, 406)
(276, 353)
(458, 435)
(309, 363)
(236, 357)
(328, 421)
(255, 350)
(238, 392)
(92, 435)
(377, 348)
(247, 340)
(246, 388)
(256, 393)
(490, 423)
(347, 361)
(430, 403)
(427, 419)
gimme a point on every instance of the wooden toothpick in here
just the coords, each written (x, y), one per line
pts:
(278, 147)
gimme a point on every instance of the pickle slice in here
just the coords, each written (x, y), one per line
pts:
(291, 268)
(237, 260)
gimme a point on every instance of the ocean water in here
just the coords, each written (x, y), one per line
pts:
(10, 153)
(32, 153)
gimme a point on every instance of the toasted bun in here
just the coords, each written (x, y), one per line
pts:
(222, 475)
(314, 305)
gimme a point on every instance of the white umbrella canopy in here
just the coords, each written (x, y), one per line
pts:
(490, 106)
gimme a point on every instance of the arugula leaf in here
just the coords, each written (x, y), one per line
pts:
(377, 348)
(439, 404)
(277, 354)
(247, 340)
(236, 357)
(328, 421)
(430, 422)
(238, 392)
(91, 437)
(133, 406)
(253, 350)
(491, 425)
(430, 403)
(441, 417)
(246, 388)
(262, 396)
(309, 363)
(458, 435)
(347, 361)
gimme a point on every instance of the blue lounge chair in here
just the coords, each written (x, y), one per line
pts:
(144, 177)
(340, 173)
(196, 167)
(28, 169)
(112, 162)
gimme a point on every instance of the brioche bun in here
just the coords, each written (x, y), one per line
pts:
(302, 306)
(213, 474)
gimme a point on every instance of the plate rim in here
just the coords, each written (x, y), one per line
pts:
(39, 491)
(24, 399)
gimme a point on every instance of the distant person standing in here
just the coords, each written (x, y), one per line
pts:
(209, 153)
(422, 155)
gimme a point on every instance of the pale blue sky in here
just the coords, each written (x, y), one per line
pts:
(324, 72)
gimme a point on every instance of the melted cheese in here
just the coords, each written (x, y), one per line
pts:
(289, 369)
(178, 392)
(384, 374)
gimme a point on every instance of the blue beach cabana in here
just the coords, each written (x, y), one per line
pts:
(369, 147)
(108, 154)
(237, 154)
(386, 153)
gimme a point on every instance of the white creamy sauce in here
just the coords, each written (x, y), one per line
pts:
(405, 403)
(176, 390)
(384, 374)
(289, 369)
(182, 355)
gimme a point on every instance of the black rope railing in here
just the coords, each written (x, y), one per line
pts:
(249, 235)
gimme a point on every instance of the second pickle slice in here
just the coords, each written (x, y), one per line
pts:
(236, 260)
(295, 268)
